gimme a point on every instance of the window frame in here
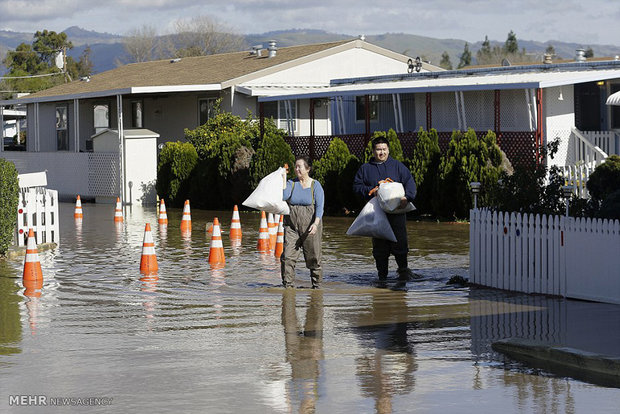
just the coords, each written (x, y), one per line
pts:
(140, 102)
(374, 108)
(211, 102)
(62, 128)
(95, 126)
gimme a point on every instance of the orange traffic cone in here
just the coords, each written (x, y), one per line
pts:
(148, 261)
(216, 250)
(163, 217)
(235, 224)
(280, 239)
(273, 231)
(263, 234)
(77, 214)
(118, 212)
(186, 222)
(32, 266)
(33, 288)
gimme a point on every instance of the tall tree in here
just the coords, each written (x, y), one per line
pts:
(511, 46)
(204, 35)
(140, 45)
(550, 50)
(445, 61)
(465, 57)
(33, 67)
(589, 52)
(484, 56)
(48, 44)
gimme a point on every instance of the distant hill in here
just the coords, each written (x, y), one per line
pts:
(107, 48)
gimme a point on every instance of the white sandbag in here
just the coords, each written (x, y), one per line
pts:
(389, 195)
(267, 196)
(372, 222)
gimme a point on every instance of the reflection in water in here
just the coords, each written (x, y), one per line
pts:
(149, 287)
(10, 321)
(304, 349)
(387, 365)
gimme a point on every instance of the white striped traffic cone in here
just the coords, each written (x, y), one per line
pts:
(32, 266)
(77, 214)
(163, 217)
(148, 261)
(216, 250)
(118, 211)
(186, 222)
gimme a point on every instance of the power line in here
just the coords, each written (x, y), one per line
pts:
(32, 76)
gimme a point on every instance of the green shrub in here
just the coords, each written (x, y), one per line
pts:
(467, 159)
(530, 188)
(424, 166)
(222, 177)
(272, 152)
(176, 163)
(336, 171)
(610, 206)
(605, 179)
(396, 149)
(220, 126)
(9, 192)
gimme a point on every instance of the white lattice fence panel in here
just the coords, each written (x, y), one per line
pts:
(480, 110)
(103, 174)
(514, 115)
(444, 117)
(420, 110)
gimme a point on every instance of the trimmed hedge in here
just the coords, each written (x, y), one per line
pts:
(9, 196)
(336, 171)
(176, 164)
(424, 166)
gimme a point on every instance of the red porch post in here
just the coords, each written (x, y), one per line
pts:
(539, 124)
(498, 133)
(429, 112)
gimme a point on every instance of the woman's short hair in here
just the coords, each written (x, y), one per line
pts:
(306, 161)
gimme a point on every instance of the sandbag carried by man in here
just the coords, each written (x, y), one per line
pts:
(379, 169)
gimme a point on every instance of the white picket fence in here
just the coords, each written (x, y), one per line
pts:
(554, 255)
(37, 209)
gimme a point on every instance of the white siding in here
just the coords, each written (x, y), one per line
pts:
(559, 119)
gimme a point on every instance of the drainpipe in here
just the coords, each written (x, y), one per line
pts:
(2, 124)
(121, 146)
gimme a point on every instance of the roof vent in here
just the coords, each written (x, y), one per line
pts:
(580, 55)
(272, 48)
(547, 59)
(506, 62)
(256, 50)
(85, 78)
(362, 37)
(175, 60)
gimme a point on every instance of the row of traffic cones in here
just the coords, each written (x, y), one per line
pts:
(33, 275)
(271, 234)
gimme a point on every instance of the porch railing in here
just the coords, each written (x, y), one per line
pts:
(587, 153)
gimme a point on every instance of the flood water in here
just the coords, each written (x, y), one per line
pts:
(231, 340)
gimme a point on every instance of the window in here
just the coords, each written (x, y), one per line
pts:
(206, 109)
(101, 114)
(360, 107)
(136, 114)
(279, 110)
(62, 133)
(588, 106)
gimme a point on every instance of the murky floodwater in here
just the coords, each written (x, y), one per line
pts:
(231, 340)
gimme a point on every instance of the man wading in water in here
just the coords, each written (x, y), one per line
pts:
(365, 185)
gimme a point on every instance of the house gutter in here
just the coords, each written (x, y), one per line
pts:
(114, 92)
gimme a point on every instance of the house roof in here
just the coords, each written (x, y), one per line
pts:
(202, 73)
(541, 76)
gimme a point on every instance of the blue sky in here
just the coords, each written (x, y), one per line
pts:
(591, 22)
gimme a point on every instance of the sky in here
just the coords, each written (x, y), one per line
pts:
(587, 22)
